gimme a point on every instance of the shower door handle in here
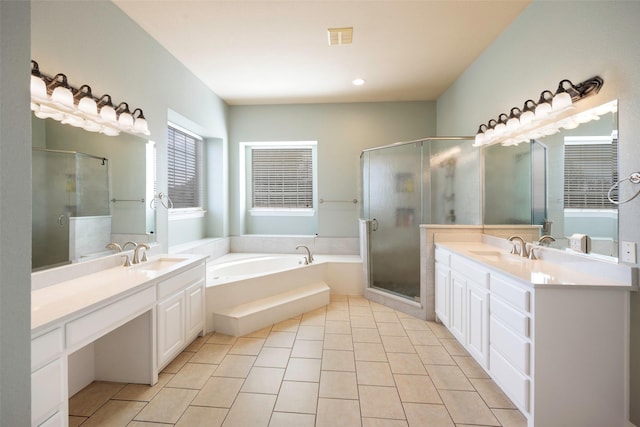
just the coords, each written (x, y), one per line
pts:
(374, 224)
(60, 220)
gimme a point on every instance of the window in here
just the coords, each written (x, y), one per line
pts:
(590, 169)
(185, 182)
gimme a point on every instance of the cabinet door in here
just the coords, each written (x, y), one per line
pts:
(171, 337)
(194, 295)
(478, 323)
(443, 294)
(458, 306)
(48, 386)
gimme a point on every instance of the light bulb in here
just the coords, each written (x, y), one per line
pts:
(141, 126)
(542, 110)
(62, 96)
(125, 120)
(526, 117)
(561, 101)
(38, 88)
(88, 106)
(108, 114)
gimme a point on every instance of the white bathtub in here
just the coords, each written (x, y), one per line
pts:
(237, 278)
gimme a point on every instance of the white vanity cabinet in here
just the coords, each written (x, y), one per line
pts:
(48, 373)
(180, 312)
(443, 286)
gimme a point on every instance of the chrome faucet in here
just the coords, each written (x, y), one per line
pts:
(134, 244)
(136, 256)
(114, 246)
(523, 246)
(309, 258)
(546, 238)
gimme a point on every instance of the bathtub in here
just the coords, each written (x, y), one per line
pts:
(239, 278)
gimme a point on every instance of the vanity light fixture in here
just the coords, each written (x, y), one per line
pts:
(53, 97)
(542, 118)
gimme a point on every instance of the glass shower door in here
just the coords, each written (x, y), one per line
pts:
(395, 209)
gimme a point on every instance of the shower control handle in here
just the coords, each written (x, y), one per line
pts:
(374, 224)
(60, 218)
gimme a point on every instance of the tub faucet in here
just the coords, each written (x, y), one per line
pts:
(523, 246)
(309, 258)
(114, 246)
(136, 256)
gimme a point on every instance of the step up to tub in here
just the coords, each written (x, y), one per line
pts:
(251, 316)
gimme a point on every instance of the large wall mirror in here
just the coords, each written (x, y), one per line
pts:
(559, 182)
(89, 189)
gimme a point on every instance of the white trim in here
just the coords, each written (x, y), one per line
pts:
(183, 130)
(587, 140)
(186, 213)
(281, 212)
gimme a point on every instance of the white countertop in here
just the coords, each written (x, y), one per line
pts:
(544, 272)
(73, 297)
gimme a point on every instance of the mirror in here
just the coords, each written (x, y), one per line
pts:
(559, 182)
(89, 189)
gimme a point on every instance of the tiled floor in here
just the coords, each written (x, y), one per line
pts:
(353, 363)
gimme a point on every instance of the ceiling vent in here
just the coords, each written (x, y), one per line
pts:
(339, 36)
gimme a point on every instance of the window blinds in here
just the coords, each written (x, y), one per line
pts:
(282, 177)
(184, 153)
(589, 171)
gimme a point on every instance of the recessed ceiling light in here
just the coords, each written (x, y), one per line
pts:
(358, 82)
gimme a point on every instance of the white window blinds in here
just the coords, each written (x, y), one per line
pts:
(282, 177)
(590, 169)
(184, 169)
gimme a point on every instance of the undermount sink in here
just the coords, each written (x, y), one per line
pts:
(497, 256)
(159, 264)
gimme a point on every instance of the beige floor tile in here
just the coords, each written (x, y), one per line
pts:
(338, 341)
(218, 392)
(448, 378)
(385, 317)
(235, 366)
(434, 355)
(371, 352)
(358, 301)
(198, 416)
(299, 397)
(360, 310)
(300, 369)
(493, 396)
(470, 367)
(273, 357)
(337, 297)
(338, 360)
(307, 348)
(144, 424)
(406, 363)
(331, 412)
(176, 364)
(338, 385)
(397, 344)
(379, 307)
(247, 346)
(210, 353)
(87, 401)
(250, 409)
(391, 329)
(192, 375)
(380, 402)
(423, 337)
(374, 373)
(417, 389)
(341, 315)
(314, 318)
(289, 325)
(217, 338)
(76, 421)
(168, 405)
(365, 335)
(115, 413)
(286, 419)
(453, 347)
(310, 332)
(263, 380)
(439, 330)
(362, 321)
(197, 343)
(280, 339)
(143, 392)
(337, 327)
(413, 324)
(468, 407)
(260, 333)
(421, 414)
(510, 417)
(381, 422)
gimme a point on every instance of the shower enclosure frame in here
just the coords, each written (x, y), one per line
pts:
(416, 306)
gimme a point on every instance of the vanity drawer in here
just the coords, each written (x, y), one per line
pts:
(513, 347)
(514, 319)
(514, 384)
(46, 347)
(471, 270)
(105, 319)
(517, 297)
(181, 281)
(47, 391)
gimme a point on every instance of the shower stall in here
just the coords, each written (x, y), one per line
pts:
(429, 181)
(70, 199)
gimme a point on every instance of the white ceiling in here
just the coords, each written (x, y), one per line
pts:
(275, 52)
